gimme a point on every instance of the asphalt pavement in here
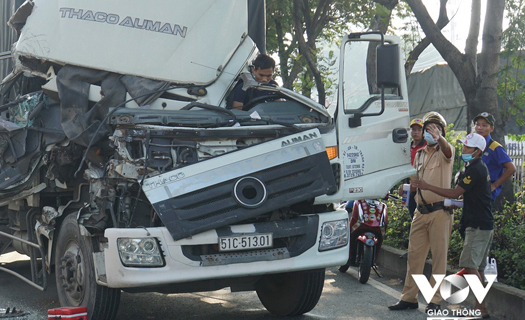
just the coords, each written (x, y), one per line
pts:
(343, 298)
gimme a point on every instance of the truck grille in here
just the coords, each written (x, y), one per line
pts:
(241, 185)
(218, 205)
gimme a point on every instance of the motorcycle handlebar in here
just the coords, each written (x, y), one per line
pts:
(391, 196)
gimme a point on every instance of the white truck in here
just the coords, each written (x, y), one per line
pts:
(121, 167)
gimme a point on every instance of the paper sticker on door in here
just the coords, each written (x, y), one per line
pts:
(354, 164)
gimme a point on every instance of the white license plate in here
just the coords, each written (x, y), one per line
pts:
(244, 242)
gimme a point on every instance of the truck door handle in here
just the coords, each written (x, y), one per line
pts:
(400, 135)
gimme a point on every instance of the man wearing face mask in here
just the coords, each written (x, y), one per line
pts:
(474, 184)
(432, 222)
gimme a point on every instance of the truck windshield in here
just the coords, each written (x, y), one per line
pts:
(359, 75)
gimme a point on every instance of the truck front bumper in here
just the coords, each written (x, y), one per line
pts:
(180, 265)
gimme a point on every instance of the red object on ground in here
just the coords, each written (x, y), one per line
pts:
(461, 272)
(67, 313)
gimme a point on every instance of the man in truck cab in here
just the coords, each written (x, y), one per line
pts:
(263, 68)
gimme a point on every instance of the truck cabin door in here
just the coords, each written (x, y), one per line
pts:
(372, 116)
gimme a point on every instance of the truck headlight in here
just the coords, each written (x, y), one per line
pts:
(334, 234)
(139, 252)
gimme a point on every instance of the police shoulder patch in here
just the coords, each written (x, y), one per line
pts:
(467, 180)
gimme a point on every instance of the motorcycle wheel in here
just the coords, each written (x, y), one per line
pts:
(291, 294)
(366, 264)
(344, 268)
(75, 274)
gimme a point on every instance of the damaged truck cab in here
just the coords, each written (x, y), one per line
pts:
(122, 167)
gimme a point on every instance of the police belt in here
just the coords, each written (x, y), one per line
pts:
(429, 208)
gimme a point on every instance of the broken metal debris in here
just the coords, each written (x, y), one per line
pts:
(11, 313)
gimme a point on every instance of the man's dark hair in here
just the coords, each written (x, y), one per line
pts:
(263, 61)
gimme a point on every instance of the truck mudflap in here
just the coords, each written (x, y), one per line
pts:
(241, 185)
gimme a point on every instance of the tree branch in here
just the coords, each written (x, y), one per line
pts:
(307, 51)
(471, 47)
(442, 21)
(464, 73)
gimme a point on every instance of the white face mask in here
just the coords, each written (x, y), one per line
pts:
(429, 138)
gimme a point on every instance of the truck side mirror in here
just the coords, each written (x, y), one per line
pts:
(388, 66)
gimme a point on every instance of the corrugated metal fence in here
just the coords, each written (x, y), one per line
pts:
(516, 151)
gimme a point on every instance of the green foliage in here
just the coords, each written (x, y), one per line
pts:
(508, 246)
(398, 225)
(455, 245)
(511, 82)
(516, 137)
(452, 137)
(330, 26)
(406, 27)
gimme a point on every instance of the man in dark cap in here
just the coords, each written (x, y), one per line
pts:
(498, 162)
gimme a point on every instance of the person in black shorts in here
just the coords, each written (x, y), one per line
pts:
(477, 221)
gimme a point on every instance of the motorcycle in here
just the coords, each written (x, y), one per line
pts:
(368, 223)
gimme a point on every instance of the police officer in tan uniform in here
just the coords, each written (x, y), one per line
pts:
(432, 222)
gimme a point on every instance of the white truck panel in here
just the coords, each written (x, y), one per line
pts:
(96, 34)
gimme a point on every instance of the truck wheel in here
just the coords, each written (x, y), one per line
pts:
(291, 294)
(366, 264)
(75, 274)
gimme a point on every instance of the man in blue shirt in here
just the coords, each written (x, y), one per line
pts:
(498, 163)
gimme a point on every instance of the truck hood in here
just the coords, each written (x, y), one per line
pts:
(249, 81)
(307, 101)
(175, 41)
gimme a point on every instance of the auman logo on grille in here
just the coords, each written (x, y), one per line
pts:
(454, 289)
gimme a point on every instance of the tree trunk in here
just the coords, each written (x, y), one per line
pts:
(308, 49)
(479, 88)
(487, 95)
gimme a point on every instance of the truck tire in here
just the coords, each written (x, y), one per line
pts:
(291, 294)
(366, 264)
(75, 274)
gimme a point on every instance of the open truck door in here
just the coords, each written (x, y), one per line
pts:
(372, 116)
